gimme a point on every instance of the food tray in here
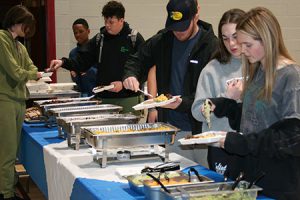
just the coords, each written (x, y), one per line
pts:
(152, 104)
(84, 110)
(212, 191)
(103, 138)
(54, 94)
(128, 134)
(71, 125)
(61, 100)
(46, 107)
(137, 182)
(206, 138)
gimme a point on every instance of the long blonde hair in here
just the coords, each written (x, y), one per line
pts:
(260, 24)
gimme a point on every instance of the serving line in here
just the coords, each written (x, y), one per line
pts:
(62, 173)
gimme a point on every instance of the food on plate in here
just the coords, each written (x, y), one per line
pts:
(209, 135)
(162, 97)
(207, 112)
(128, 130)
(33, 113)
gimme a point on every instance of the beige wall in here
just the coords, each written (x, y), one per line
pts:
(148, 16)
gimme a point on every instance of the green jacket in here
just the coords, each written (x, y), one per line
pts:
(16, 68)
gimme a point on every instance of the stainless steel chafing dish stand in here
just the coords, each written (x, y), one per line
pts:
(62, 100)
(71, 125)
(45, 105)
(103, 138)
(54, 113)
(54, 94)
(211, 191)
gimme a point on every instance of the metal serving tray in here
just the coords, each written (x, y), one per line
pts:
(128, 135)
(54, 113)
(54, 94)
(71, 125)
(211, 191)
(61, 100)
(139, 182)
(84, 110)
(46, 107)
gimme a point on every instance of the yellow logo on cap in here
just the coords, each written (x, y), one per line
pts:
(176, 15)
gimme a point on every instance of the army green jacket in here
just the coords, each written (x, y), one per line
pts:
(16, 68)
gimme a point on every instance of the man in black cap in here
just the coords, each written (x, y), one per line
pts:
(179, 52)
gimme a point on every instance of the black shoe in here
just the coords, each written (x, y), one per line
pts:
(1, 197)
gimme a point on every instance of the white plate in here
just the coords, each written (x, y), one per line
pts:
(101, 89)
(45, 79)
(152, 104)
(62, 86)
(46, 74)
(233, 79)
(207, 140)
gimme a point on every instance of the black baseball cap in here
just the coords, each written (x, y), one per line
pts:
(180, 14)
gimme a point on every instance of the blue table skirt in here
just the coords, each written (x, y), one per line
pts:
(31, 151)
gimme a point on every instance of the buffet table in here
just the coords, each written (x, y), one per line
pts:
(62, 173)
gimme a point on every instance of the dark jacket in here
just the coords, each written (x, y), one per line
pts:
(115, 51)
(274, 150)
(158, 51)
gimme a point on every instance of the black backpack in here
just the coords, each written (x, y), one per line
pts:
(100, 38)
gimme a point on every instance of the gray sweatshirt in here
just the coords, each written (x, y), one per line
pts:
(211, 84)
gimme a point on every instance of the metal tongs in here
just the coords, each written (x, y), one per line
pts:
(145, 93)
(170, 166)
(159, 182)
(196, 173)
(237, 181)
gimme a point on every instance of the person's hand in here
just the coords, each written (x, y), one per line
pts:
(221, 142)
(234, 89)
(131, 83)
(117, 86)
(152, 115)
(73, 74)
(174, 104)
(54, 65)
(39, 75)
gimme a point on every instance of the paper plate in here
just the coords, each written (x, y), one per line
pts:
(102, 88)
(152, 104)
(207, 139)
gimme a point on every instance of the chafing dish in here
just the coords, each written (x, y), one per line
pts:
(103, 138)
(61, 100)
(71, 125)
(53, 113)
(45, 107)
(211, 191)
(143, 183)
(53, 94)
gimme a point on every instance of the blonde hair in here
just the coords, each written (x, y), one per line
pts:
(260, 24)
